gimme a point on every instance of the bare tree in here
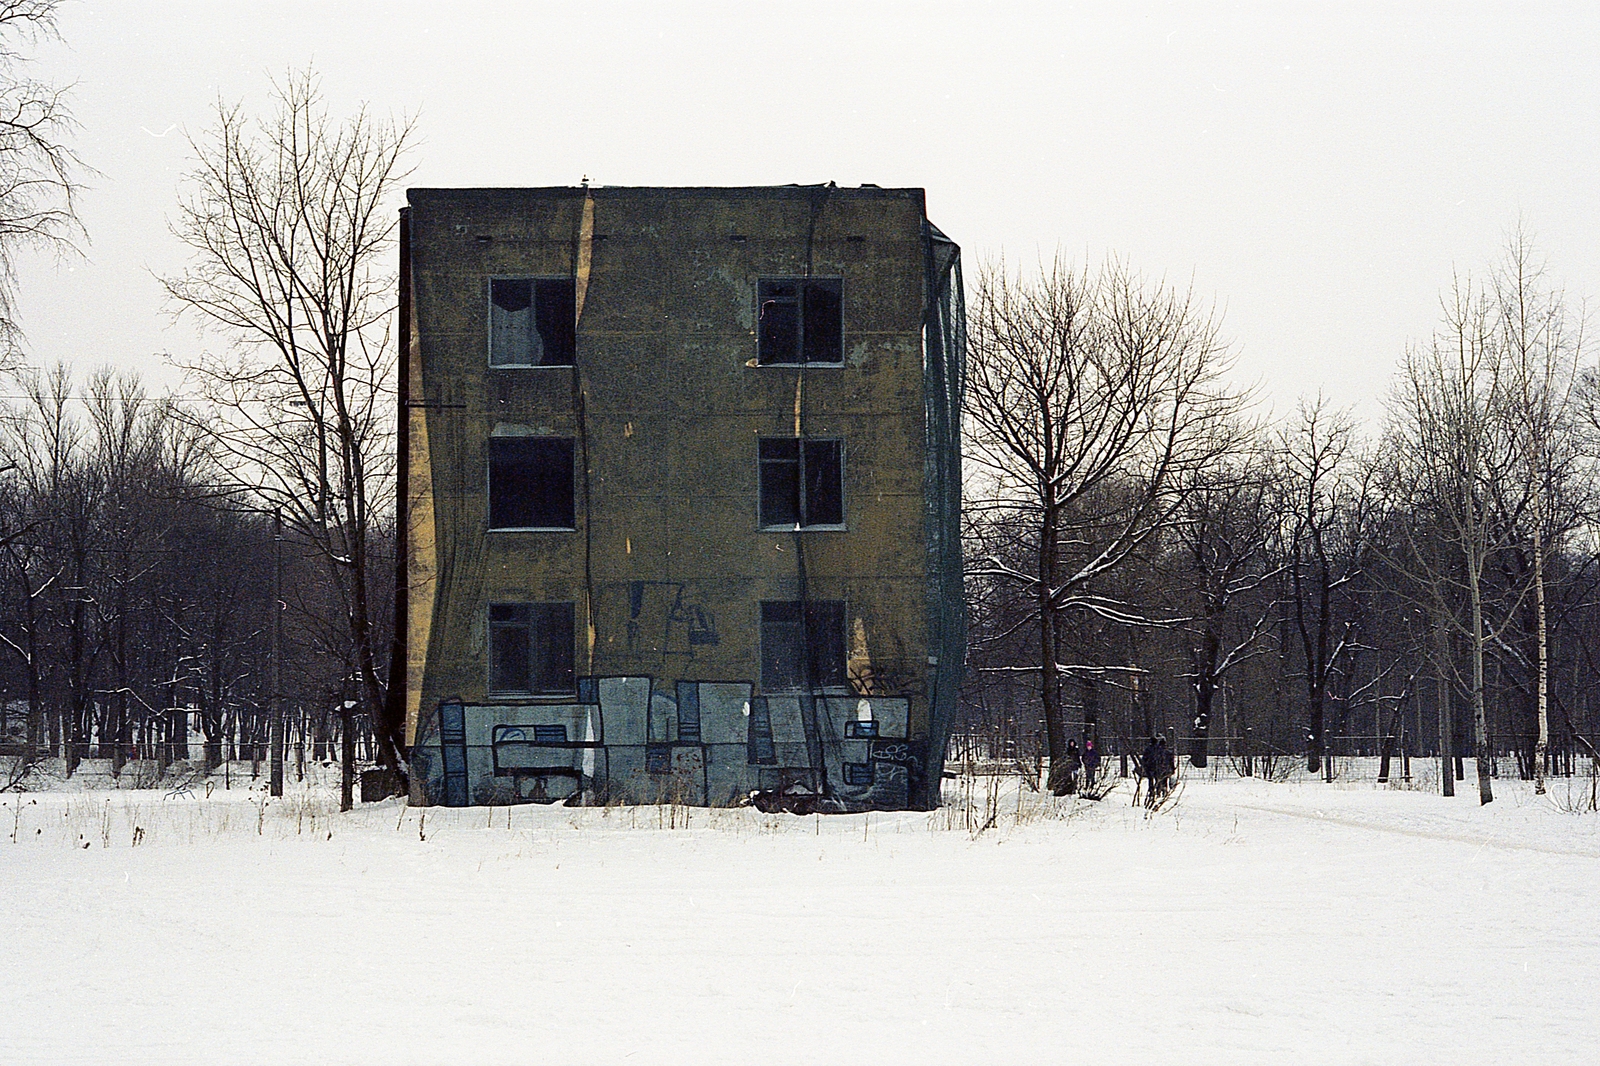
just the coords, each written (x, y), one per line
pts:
(1221, 535)
(1543, 345)
(26, 577)
(38, 170)
(290, 221)
(1451, 453)
(1090, 397)
(1326, 507)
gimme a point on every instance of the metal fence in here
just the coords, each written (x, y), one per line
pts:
(1010, 748)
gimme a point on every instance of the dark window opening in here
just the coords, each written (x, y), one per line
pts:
(530, 483)
(804, 657)
(802, 482)
(532, 321)
(531, 650)
(800, 320)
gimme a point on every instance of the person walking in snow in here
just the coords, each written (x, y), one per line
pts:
(1073, 762)
(1166, 765)
(1156, 766)
(1091, 762)
(1147, 768)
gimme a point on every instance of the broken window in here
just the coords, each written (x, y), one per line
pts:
(799, 320)
(532, 321)
(802, 482)
(530, 483)
(805, 656)
(530, 649)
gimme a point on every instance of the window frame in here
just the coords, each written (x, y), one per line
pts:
(531, 692)
(830, 688)
(488, 485)
(489, 308)
(800, 332)
(802, 503)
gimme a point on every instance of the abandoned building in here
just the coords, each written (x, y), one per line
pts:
(681, 482)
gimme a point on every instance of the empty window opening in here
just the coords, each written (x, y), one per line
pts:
(800, 320)
(802, 657)
(532, 321)
(531, 650)
(802, 482)
(530, 483)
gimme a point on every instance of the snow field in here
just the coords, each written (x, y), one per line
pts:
(1247, 922)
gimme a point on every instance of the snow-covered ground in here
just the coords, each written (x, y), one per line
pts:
(1248, 922)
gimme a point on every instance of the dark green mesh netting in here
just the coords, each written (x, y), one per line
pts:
(944, 350)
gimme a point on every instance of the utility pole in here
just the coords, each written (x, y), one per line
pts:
(275, 704)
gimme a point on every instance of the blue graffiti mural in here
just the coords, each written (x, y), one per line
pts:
(634, 740)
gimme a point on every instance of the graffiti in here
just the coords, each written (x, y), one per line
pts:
(897, 764)
(658, 607)
(895, 751)
(885, 674)
(872, 680)
(641, 735)
(891, 776)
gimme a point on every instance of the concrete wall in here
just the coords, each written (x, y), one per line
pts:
(668, 566)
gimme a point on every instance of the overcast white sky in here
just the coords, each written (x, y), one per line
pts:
(1317, 170)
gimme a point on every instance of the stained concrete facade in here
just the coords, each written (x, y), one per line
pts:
(667, 561)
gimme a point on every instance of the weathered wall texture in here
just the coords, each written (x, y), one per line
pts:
(667, 566)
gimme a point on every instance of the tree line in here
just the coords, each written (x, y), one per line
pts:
(1147, 552)
(137, 589)
(222, 557)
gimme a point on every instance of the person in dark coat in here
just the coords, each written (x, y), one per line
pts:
(1091, 762)
(1155, 765)
(1147, 759)
(1166, 767)
(1074, 762)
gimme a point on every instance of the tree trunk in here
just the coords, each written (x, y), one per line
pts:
(1314, 741)
(1386, 742)
(178, 734)
(347, 759)
(1049, 679)
(275, 771)
(1542, 746)
(1205, 687)
(1480, 714)
(275, 726)
(1091, 711)
(1447, 745)
(36, 714)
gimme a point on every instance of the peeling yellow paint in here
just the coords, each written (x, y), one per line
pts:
(585, 252)
(858, 664)
(422, 564)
